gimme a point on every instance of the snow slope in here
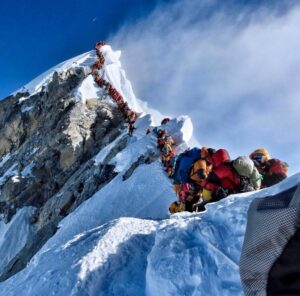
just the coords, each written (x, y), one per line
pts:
(19, 229)
(188, 254)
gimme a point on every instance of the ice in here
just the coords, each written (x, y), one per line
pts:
(27, 171)
(26, 109)
(10, 172)
(14, 235)
(87, 90)
(4, 159)
(83, 60)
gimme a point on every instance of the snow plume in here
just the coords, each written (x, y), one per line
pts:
(234, 69)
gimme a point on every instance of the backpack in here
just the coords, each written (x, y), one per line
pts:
(245, 167)
(186, 161)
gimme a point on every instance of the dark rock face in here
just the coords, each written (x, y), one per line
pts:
(47, 142)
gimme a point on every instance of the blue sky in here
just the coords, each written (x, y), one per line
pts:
(233, 66)
(37, 34)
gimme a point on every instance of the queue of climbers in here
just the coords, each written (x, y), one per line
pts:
(199, 175)
(127, 112)
(203, 175)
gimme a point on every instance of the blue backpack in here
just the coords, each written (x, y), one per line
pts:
(184, 163)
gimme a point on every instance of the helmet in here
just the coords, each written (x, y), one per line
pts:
(260, 155)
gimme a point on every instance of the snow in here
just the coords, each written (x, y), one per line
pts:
(26, 109)
(113, 72)
(27, 171)
(35, 149)
(197, 253)
(15, 179)
(84, 60)
(10, 172)
(4, 159)
(88, 89)
(22, 99)
(101, 261)
(100, 157)
(14, 235)
(147, 193)
(188, 254)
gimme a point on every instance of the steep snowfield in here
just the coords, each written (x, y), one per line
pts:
(188, 254)
(83, 60)
(198, 254)
(19, 229)
(106, 260)
(122, 241)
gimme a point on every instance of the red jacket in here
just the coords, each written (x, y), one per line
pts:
(222, 173)
(274, 166)
(219, 157)
(228, 177)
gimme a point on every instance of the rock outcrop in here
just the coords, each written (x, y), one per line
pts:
(47, 144)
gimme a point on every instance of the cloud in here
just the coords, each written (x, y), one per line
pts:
(235, 70)
(94, 19)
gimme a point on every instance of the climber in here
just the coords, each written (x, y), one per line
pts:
(172, 165)
(250, 178)
(169, 139)
(131, 128)
(201, 167)
(259, 157)
(188, 196)
(131, 116)
(148, 131)
(274, 172)
(165, 121)
(94, 70)
(192, 197)
(122, 106)
(100, 81)
(161, 138)
(98, 65)
(167, 154)
(99, 45)
(184, 163)
(222, 180)
(101, 58)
